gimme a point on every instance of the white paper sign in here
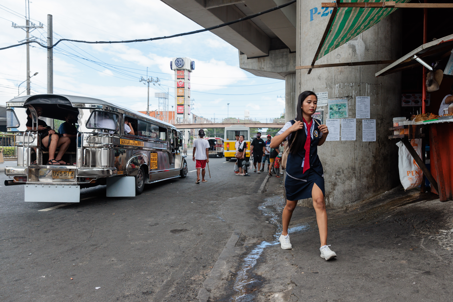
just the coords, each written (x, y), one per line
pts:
(323, 97)
(362, 107)
(334, 129)
(348, 129)
(369, 130)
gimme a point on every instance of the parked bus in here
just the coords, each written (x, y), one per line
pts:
(102, 153)
(215, 146)
(229, 149)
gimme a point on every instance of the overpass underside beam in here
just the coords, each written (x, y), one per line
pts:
(245, 36)
(219, 3)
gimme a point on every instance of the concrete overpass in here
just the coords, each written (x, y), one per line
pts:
(274, 44)
(223, 125)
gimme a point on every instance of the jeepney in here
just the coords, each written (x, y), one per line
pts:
(102, 153)
(229, 149)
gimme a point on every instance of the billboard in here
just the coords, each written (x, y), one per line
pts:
(180, 92)
(180, 84)
(180, 101)
(180, 109)
(180, 74)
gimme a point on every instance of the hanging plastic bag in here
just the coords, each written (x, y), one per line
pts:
(236, 169)
(411, 175)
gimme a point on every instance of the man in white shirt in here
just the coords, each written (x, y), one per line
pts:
(201, 155)
(128, 129)
(448, 99)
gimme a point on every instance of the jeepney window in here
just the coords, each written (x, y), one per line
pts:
(163, 133)
(11, 119)
(231, 134)
(103, 120)
(147, 129)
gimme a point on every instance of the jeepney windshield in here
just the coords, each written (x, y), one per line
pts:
(103, 120)
(231, 134)
(11, 119)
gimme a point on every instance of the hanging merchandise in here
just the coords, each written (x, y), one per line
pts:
(433, 80)
(411, 175)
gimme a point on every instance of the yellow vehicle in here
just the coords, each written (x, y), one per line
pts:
(229, 149)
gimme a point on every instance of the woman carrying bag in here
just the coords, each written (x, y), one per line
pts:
(241, 154)
(304, 172)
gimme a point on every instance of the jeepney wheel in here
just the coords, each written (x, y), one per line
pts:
(139, 182)
(184, 170)
(227, 158)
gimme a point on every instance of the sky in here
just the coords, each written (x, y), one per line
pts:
(113, 72)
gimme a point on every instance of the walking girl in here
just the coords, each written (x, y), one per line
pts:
(304, 172)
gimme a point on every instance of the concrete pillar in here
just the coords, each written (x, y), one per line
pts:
(290, 97)
(354, 170)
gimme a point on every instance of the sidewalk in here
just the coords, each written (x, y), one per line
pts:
(395, 247)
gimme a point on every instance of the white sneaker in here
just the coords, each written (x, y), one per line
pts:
(327, 253)
(285, 243)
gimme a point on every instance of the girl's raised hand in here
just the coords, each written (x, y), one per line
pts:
(297, 126)
(324, 129)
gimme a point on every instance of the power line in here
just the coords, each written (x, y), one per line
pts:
(157, 38)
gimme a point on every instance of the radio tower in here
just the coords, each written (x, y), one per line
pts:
(28, 28)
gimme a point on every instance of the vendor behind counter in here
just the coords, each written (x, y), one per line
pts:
(447, 103)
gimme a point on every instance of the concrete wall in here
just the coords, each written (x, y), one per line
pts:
(354, 171)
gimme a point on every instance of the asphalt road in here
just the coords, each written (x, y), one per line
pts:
(159, 246)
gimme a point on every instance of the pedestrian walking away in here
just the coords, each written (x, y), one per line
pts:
(201, 155)
(257, 148)
(304, 172)
(267, 151)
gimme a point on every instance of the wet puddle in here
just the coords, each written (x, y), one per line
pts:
(245, 285)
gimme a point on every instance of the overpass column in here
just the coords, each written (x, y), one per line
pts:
(354, 170)
(290, 97)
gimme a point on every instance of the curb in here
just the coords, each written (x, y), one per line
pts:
(261, 189)
(215, 276)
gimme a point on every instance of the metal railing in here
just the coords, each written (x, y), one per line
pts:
(8, 145)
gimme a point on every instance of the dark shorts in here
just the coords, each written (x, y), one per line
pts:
(257, 158)
(297, 189)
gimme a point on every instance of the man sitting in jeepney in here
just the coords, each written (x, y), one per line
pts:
(49, 139)
(128, 129)
(68, 129)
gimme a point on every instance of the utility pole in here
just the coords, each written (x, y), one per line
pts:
(49, 55)
(149, 80)
(28, 25)
(228, 110)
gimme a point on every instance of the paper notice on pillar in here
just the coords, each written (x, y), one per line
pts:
(362, 107)
(334, 130)
(338, 109)
(323, 97)
(348, 129)
(369, 130)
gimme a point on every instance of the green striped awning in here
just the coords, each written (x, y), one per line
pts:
(350, 22)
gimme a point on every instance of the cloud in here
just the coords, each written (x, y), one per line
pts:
(106, 72)
(216, 101)
(253, 106)
(216, 43)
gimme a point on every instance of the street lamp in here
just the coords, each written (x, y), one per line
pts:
(24, 82)
(228, 110)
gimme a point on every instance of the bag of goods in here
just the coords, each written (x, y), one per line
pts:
(411, 175)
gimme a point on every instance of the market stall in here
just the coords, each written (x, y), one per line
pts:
(435, 130)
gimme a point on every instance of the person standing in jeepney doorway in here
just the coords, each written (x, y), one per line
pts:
(304, 171)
